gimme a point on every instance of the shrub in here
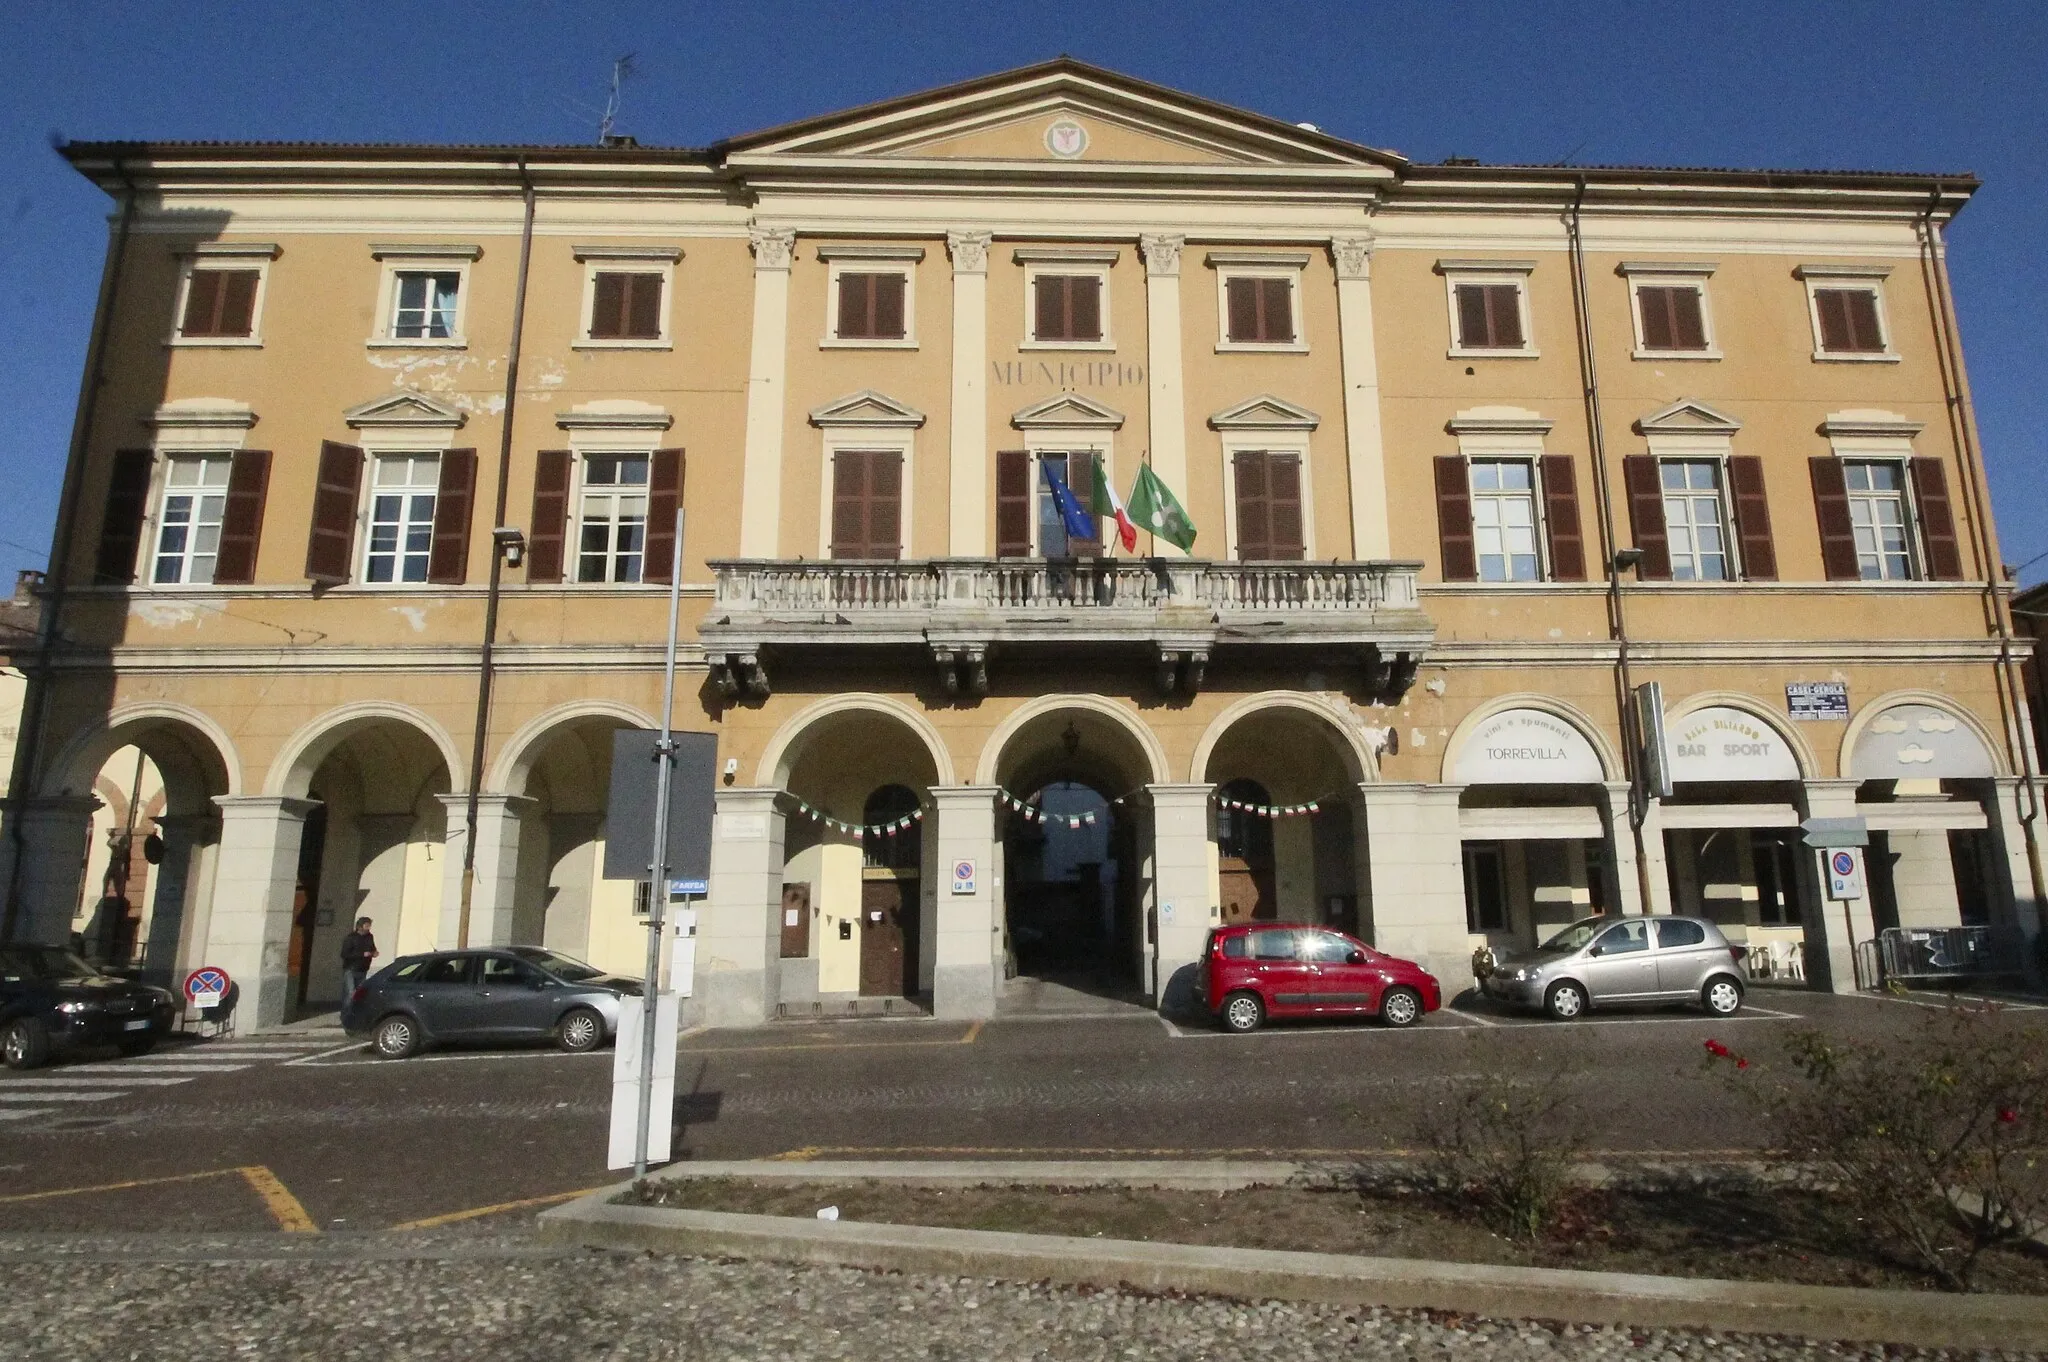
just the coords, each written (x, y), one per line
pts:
(1506, 1143)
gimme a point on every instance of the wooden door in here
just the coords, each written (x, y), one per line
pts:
(796, 921)
(881, 939)
(1246, 891)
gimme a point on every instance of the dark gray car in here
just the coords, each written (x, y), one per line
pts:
(1602, 961)
(506, 993)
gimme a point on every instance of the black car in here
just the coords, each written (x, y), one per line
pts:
(52, 1001)
(506, 993)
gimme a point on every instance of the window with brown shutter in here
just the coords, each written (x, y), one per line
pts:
(1752, 518)
(121, 523)
(1260, 310)
(1269, 519)
(548, 527)
(871, 305)
(330, 545)
(1490, 317)
(241, 525)
(1066, 307)
(1013, 503)
(220, 304)
(1454, 519)
(448, 559)
(1081, 481)
(625, 305)
(1848, 321)
(867, 501)
(1673, 318)
(1937, 520)
(1831, 510)
(664, 494)
(1642, 478)
(1561, 518)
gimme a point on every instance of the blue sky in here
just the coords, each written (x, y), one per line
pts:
(1795, 84)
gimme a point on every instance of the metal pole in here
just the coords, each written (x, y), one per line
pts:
(657, 896)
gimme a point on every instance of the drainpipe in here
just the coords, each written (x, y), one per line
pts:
(1962, 424)
(501, 540)
(1617, 616)
(35, 706)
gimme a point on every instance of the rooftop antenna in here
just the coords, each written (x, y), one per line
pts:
(622, 71)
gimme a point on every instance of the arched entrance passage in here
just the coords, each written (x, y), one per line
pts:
(1073, 850)
(1287, 837)
(859, 898)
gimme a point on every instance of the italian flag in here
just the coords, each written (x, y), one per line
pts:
(1104, 501)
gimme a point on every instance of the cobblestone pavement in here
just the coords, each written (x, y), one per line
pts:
(504, 1297)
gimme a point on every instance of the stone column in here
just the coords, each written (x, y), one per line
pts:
(1364, 454)
(2016, 907)
(1631, 879)
(54, 831)
(1418, 878)
(1162, 361)
(1833, 927)
(1183, 897)
(255, 873)
(739, 932)
(761, 469)
(968, 467)
(965, 961)
(177, 929)
(492, 899)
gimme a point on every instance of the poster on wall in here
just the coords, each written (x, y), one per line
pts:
(1817, 699)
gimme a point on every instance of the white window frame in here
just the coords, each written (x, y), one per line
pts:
(598, 260)
(185, 428)
(420, 259)
(606, 426)
(1909, 512)
(1043, 440)
(222, 255)
(1731, 541)
(1082, 261)
(1869, 436)
(1671, 274)
(1515, 272)
(862, 259)
(896, 439)
(1538, 528)
(1234, 442)
(366, 512)
(1496, 433)
(1870, 277)
(572, 565)
(1288, 265)
(154, 522)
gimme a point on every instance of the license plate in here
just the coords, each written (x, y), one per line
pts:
(139, 1024)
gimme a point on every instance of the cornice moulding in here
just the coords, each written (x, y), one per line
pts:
(387, 250)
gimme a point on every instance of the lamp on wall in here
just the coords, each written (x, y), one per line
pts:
(1626, 559)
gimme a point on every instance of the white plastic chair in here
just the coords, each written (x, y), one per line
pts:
(1788, 961)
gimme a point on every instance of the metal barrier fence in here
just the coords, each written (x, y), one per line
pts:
(1909, 953)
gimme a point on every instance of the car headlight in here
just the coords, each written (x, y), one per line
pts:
(79, 1005)
(1521, 976)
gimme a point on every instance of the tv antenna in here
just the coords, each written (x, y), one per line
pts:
(622, 71)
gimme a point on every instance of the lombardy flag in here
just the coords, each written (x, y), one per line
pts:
(1153, 508)
(1107, 505)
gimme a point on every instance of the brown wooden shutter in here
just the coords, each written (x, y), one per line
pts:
(1471, 317)
(1084, 308)
(1284, 537)
(1254, 512)
(331, 544)
(241, 522)
(454, 500)
(849, 503)
(1048, 315)
(643, 307)
(1243, 297)
(548, 526)
(1013, 503)
(1454, 518)
(121, 524)
(1081, 479)
(1937, 520)
(853, 307)
(1643, 478)
(1655, 305)
(237, 303)
(1504, 308)
(608, 306)
(1859, 311)
(202, 303)
(1752, 518)
(888, 314)
(1833, 306)
(1831, 509)
(664, 494)
(1276, 308)
(885, 504)
(1688, 320)
(1561, 518)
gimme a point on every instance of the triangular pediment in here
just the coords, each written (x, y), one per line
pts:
(408, 408)
(1068, 411)
(866, 408)
(1060, 111)
(1688, 417)
(1265, 412)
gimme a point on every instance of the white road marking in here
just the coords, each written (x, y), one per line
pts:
(16, 1114)
(58, 1096)
(1472, 1017)
(126, 1080)
(137, 1065)
(468, 1056)
(322, 1054)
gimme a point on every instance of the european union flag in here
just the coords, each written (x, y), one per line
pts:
(1079, 524)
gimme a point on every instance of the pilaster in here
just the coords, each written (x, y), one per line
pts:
(738, 932)
(2016, 906)
(1183, 892)
(964, 958)
(54, 831)
(1833, 926)
(1642, 875)
(968, 464)
(1418, 878)
(761, 465)
(497, 869)
(1163, 364)
(182, 896)
(256, 871)
(1363, 448)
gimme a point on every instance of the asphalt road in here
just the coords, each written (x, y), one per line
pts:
(304, 1131)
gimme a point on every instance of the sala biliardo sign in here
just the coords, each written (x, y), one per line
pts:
(1720, 743)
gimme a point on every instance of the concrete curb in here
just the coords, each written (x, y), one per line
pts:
(1923, 1319)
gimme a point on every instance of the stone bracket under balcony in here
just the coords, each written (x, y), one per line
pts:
(962, 610)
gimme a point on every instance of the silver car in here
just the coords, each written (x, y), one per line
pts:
(506, 993)
(1600, 961)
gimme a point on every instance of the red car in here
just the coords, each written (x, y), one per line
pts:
(1252, 971)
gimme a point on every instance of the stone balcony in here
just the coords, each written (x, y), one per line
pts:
(961, 610)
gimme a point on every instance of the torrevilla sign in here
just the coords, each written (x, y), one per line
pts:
(1527, 747)
(1719, 743)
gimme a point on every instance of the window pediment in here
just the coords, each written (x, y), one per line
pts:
(867, 408)
(407, 411)
(1265, 412)
(1068, 411)
(1687, 417)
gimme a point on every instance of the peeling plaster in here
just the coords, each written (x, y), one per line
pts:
(415, 615)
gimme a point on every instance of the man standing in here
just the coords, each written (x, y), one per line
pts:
(358, 949)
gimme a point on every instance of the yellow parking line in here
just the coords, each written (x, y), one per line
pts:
(455, 1217)
(119, 1186)
(972, 1032)
(284, 1208)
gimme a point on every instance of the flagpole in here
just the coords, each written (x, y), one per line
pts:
(1151, 536)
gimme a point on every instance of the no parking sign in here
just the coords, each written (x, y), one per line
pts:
(206, 986)
(1845, 874)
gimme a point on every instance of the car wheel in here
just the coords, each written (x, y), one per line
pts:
(135, 1045)
(580, 1030)
(1722, 995)
(1565, 1000)
(1243, 1013)
(396, 1037)
(1401, 1007)
(26, 1044)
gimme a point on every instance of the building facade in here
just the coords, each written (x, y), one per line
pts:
(1471, 455)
